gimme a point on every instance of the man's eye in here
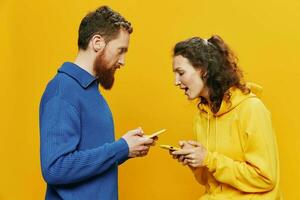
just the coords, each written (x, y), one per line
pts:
(121, 51)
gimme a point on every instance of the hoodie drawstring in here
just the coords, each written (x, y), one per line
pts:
(208, 132)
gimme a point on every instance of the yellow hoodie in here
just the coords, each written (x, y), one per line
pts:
(242, 159)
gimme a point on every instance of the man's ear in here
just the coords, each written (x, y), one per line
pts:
(97, 43)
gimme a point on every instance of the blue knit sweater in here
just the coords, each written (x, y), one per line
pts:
(79, 155)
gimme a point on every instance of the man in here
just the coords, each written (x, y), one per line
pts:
(79, 155)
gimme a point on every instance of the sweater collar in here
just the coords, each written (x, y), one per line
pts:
(84, 78)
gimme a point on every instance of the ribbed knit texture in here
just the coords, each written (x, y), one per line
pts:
(79, 155)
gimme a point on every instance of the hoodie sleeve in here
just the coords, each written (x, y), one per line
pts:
(61, 161)
(258, 172)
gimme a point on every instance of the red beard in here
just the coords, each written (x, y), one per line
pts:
(104, 72)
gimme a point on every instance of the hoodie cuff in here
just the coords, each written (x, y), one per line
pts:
(210, 161)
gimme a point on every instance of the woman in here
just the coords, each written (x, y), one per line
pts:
(236, 154)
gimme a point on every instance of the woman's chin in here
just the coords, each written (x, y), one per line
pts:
(189, 97)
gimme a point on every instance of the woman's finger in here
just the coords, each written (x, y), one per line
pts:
(194, 143)
(182, 152)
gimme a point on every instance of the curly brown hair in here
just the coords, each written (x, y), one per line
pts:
(103, 21)
(219, 64)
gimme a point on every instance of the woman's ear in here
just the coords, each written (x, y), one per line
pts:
(97, 43)
(202, 73)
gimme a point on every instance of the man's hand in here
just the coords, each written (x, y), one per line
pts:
(138, 145)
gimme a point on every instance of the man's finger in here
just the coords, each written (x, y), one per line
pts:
(142, 148)
(147, 141)
(136, 132)
(140, 129)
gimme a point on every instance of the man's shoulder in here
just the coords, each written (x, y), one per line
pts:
(62, 86)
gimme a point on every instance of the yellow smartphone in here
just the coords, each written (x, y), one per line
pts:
(169, 147)
(156, 133)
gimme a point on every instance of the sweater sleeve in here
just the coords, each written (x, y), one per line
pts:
(123, 159)
(60, 133)
(258, 172)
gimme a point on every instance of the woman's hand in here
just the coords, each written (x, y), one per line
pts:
(183, 145)
(193, 154)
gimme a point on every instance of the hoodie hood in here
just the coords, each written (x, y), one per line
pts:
(236, 98)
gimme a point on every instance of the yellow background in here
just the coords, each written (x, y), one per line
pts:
(37, 36)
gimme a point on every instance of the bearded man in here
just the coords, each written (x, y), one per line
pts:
(79, 153)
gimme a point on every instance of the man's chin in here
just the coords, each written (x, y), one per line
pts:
(107, 86)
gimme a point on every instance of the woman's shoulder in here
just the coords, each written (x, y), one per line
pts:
(253, 104)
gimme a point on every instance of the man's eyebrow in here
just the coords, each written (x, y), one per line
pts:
(124, 49)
